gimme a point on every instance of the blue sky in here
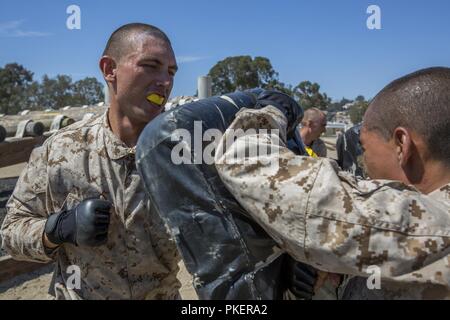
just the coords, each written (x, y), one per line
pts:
(325, 41)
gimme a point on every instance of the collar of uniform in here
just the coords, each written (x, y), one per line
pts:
(115, 147)
(442, 193)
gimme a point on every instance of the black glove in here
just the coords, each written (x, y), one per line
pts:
(300, 278)
(288, 106)
(85, 225)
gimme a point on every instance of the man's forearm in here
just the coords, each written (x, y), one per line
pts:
(23, 238)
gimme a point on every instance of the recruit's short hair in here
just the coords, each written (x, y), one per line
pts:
(312, 114)
(419, 101)
(120, 41)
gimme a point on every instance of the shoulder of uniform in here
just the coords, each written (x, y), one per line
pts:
(77, 132)
(443, 192)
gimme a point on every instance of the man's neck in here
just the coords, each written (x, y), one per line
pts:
(436, 175)
(123, 128)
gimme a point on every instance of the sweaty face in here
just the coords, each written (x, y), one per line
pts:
(147, 69)
(379, 157)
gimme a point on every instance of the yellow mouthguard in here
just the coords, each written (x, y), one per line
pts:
(155, 98)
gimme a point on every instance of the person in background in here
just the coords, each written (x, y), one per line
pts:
(306, 139)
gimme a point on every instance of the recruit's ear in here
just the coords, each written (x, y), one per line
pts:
(108, 68)
(403, 145)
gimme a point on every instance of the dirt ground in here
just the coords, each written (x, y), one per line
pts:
(35, 285)
(12, 171)
(330, 142)
(30, 286)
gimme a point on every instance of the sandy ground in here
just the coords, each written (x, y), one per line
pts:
(330, 142)
(187, 291)
(30, 286)
(12, 171)
(34, 285)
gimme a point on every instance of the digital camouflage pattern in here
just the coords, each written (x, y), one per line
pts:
(334, 221)
(86, 160)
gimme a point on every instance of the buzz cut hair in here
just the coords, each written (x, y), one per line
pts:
(312, 114)
(120, 41)
(419, 101)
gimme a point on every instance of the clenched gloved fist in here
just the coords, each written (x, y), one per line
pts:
(300, 278)
(85, 225)
(287, 105)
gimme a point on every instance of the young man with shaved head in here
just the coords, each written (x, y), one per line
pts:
(80, 201)
(395, 226)
(306, 140)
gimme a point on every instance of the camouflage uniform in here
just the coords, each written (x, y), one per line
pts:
(328, 290)
(86, 160)
(336, 222)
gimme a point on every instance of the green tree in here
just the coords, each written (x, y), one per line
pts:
(18, 91)
(55, 92)
(243, 72)
(280, 86)
(360, 98)
(60, 91)
(87, 91)
(33, 92)
(357, 110)
(308, 95)
(14, 82)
